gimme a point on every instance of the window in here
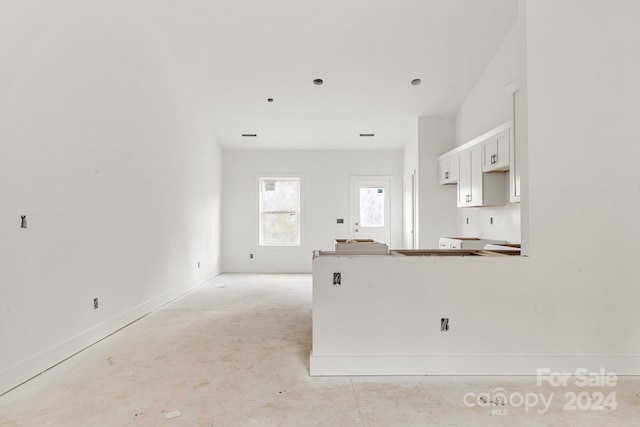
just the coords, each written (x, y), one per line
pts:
(279, 211)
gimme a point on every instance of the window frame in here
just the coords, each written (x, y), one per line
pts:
(280, 177)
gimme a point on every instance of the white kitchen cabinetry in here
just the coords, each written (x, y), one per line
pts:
(465, 178)
(495, 152)
(479, 168)
(465, 242)
(448, 169)
(476, 188)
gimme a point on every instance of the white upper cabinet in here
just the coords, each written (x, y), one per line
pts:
(495, 152)
(479, 166)
(465, 179)
(476, 188)
(448, 169)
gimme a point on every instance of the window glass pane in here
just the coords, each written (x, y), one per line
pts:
(280, 195)
(372, 207)
(279, 211)
(279, 228)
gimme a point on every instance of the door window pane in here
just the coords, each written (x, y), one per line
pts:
(372, 207)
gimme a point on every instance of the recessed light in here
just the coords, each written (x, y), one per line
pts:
(249, 134)
(367, 134)
(416, 82)
(269, 99)
(318, 82)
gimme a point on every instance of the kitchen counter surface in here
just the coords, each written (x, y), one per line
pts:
(426, 252)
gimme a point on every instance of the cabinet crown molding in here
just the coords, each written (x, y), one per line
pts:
(477, 140)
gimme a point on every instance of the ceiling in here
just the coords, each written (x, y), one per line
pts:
(237, 54)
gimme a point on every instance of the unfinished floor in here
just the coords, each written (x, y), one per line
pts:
(235, 351)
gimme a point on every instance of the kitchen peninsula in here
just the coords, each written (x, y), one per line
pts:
(413, 313)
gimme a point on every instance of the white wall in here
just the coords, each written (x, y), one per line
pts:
(583, 98)
(488, 106)
(106, 152)
(325, 198)
(584, 104)
(496, 222)
(437, 203)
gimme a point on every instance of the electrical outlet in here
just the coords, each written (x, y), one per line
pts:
(444, 324)
(340, 221)
(491, 220)
(337, 278)
(95, 303)
(467, 220)
(251, 256)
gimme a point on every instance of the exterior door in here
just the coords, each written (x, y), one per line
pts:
(371, 208)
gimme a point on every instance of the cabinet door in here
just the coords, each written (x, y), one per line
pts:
(448, 170)
(444, 243)
(490, 150)
(454, 169)
(496, 152)
(464, 179)
(475, 173)
(444, 171)
(502, 151)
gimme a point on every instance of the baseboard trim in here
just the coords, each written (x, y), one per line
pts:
(35, 365)
(360, 365)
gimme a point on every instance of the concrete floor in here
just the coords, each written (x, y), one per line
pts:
(235, 353)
